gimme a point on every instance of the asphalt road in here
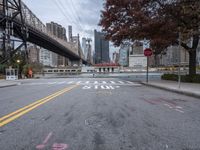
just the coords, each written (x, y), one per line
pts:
(96, 114)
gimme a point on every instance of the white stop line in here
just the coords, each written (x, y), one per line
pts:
(103, 87)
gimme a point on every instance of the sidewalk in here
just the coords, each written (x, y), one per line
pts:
(189, 89)
(6, 83)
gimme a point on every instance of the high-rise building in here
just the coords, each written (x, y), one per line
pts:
(89, 50)
(171, 57)
(84, 48)
(101, 48)
(33, 53)
(70, 33)
(45, 57)
(59, 32)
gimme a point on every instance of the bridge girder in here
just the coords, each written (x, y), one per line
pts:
(28, 27)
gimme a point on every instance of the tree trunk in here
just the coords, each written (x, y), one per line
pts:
(192, 62)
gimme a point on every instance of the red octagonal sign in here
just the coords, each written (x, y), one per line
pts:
(148, 52)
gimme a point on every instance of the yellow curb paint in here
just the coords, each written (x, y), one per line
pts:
(16, 114)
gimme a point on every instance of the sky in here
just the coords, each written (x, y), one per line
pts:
(83, 15)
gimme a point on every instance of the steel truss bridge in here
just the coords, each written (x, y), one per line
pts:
(17, 20)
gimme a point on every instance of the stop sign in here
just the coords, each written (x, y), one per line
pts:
(148, 52)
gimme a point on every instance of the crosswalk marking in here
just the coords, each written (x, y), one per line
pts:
(129, 82)
(61, 82)
(70, 82)
(87, 83)
(121, 82)
(96, 82)
(79, 82)
(112, 82)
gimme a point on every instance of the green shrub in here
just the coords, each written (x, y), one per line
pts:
(172, 77)
(184, 78)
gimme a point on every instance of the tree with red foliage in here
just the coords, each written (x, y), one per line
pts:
(160, 21)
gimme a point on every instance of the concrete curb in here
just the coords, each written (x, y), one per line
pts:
(9, 85)
(173, 90)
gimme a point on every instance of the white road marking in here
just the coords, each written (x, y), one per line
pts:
(86, 87)
(129, 82)
(79, 82)
(117, 83)
(61, 82)
(96, 82)
(96, 87)
(121, 82)
(105, 87)
(87, 82)
(179, 107)
(179, 110)
(70, 82)
(112, 82)
(168, 106)
(51, 83)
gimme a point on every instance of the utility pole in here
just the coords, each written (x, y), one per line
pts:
(179, 66)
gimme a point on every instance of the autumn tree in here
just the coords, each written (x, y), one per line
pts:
(160, 21)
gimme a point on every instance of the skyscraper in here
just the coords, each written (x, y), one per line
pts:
(59, 32)
(70, 33)
(101, 48)
(84, 47)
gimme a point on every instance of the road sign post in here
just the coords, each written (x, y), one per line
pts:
(147, 53)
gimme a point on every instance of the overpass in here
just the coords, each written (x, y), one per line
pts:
(17, 20)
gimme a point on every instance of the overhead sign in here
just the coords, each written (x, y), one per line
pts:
(148, 52)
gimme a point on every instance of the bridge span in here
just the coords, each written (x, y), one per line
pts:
(17, 20)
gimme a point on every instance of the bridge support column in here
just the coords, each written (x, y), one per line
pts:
(10, 11)
(76, 63)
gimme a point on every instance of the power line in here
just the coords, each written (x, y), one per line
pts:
(59, 6)
(77, 18)
(73, 17)
(76, 12)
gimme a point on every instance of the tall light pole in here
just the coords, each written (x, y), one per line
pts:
(179, 65)
(18, 62)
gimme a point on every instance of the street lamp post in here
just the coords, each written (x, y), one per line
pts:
(18, 62)
(179, 64)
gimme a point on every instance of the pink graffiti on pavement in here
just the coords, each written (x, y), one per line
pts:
(43, 145)
(59, 146)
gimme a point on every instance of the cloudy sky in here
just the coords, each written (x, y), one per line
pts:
(83, 15)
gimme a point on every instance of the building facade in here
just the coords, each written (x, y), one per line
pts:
(59, 32)
(115, 58)
(171, 57)
(45, 57)
(198, 55)
(84, 48)
(101, 48)
(70, 33)
(137, 59)
(123, 55)
(33, 53)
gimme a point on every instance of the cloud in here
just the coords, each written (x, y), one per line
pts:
(84, 15)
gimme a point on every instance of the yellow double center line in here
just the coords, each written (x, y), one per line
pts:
(20, 112)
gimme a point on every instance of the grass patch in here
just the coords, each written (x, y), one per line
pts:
(184, 78)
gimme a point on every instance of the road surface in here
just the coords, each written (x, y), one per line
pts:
(96, 114)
